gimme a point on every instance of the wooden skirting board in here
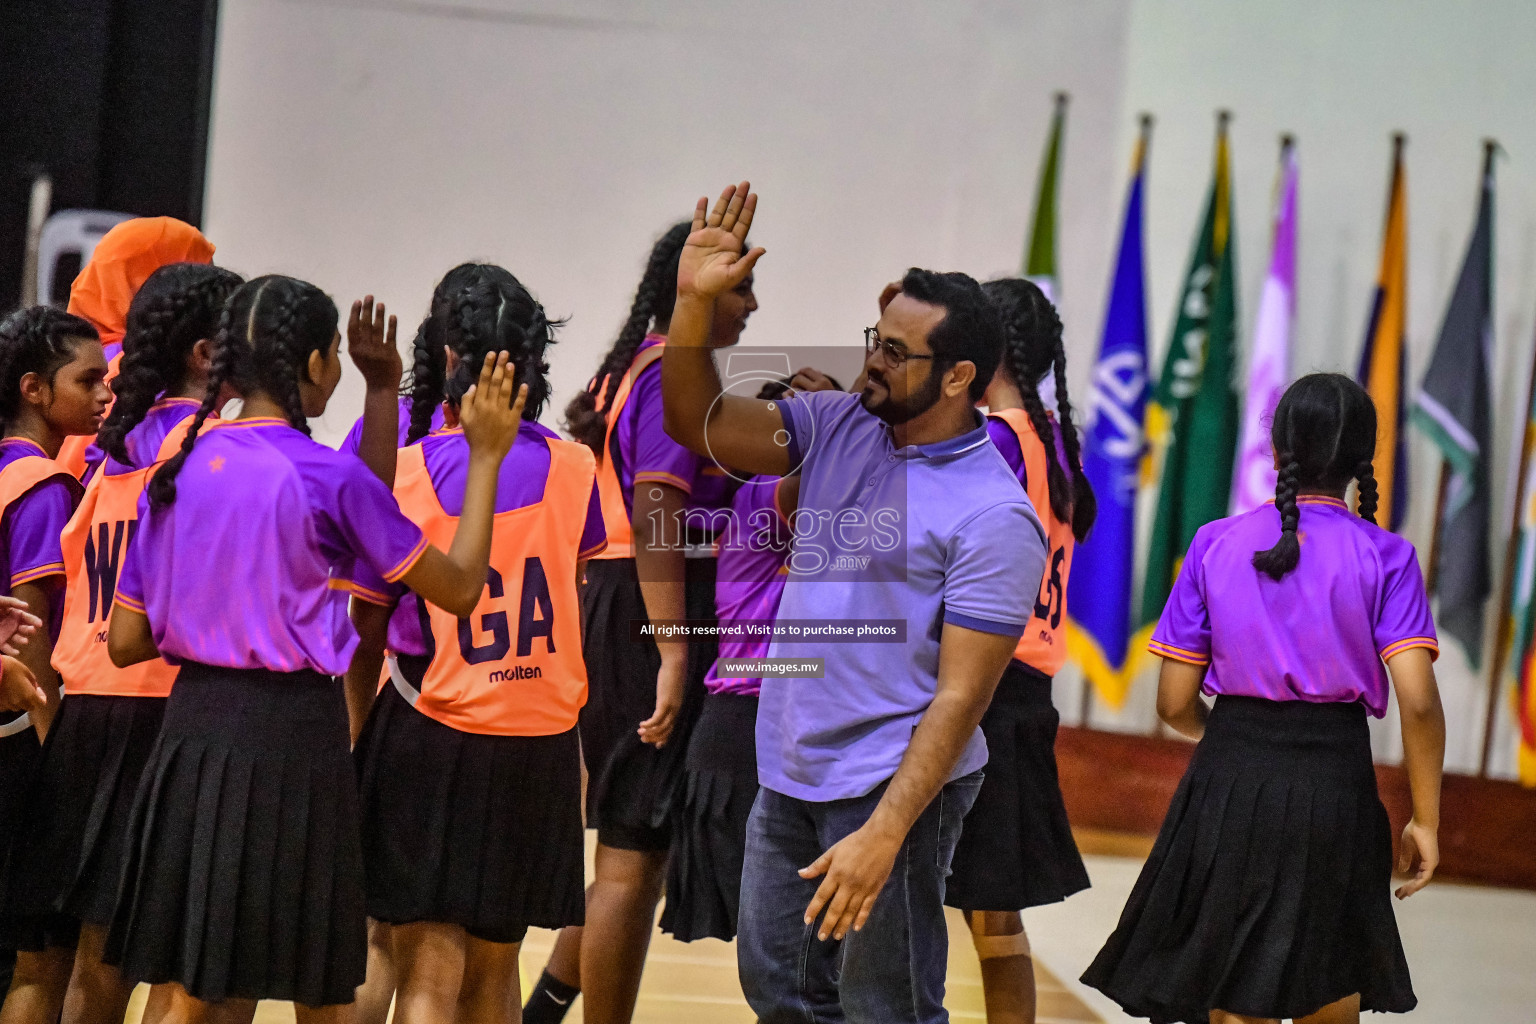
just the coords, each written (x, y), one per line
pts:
(1119, 782)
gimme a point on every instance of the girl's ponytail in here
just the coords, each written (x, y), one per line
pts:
(1365, 473)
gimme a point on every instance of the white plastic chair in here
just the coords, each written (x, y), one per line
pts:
(70, 231)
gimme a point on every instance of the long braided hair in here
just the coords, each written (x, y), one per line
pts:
(38, 339)
(1032, 347)
(178, 305)
(478, 308)
(584, 418)
(1324, 433)
(266, 333)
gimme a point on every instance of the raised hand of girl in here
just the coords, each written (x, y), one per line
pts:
(17, 625)
(489, 414)
(712, 262)
(371, 344)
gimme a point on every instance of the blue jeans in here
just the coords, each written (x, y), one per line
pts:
(891, 971)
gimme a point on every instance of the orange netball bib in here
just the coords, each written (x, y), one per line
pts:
(95, 543)
(1044, 643)
(514, 667)
(621, 539)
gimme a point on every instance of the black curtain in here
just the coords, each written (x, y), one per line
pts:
(111, 98)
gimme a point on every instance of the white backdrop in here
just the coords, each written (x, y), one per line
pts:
(368, 145)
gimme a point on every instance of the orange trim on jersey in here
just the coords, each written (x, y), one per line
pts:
(28, 575)
(25, 441)
(361, 592)
(1177, 653)
(671, 480)
(514, 667)
(1044, 643)
(126, 602)
(94, 544)
(256, 421)
(1409, 643)
(777, 506)
(409, 562)
(610, 493)
(592, 551)
(1316, 499)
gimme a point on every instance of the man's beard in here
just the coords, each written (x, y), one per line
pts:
(896, 412)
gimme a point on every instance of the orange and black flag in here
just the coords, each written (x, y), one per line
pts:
(1383, 362)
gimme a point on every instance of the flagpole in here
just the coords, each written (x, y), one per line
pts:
(1432, 574)
(1502, 635)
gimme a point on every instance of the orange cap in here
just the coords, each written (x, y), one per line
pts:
(123, 260)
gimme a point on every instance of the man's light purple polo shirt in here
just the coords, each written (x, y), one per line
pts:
(949, 536)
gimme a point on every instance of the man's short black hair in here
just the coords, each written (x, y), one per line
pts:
(971, 330)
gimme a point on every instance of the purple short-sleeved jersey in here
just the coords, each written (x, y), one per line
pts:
(250, 567)
(354, 438)
(753, 564)
(934, 534)
(143, 441)
(520, 484)
(1321, 633)
(32, 526)
(647, 454)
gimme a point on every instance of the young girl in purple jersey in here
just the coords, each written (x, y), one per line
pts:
(52, 386)
(1266, 895)
(244, 877)
(68, 854)
(720, 775)
(471, 791)
(643, 697)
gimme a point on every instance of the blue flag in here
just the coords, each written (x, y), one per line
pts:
(1103, 566)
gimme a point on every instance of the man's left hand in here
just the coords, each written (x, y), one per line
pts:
(856, 868)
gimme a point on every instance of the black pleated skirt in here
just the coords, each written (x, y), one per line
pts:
(1267, 893)
(631, 785)
(459, 828)
(20, 755)
(709, 840)
(244, 875)
(1016, 848)
(69, 849)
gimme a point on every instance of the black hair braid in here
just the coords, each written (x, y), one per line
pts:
(226, 359)
(426, 385)
(1057, 487)
(1085, 504)
(654, 299)
(288, 364)
(1282, 558)
(178, 305)
(38, 339)
(1365, 473)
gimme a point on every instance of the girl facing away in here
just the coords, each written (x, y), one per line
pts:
(69, 844)
(1016, 850)
(244, 877)
(1266, 895)
(469, 762)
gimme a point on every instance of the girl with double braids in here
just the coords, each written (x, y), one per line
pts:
(1016, 850)
(1266, 894)
(644, 696)
(483, 706)
(244, 878)
(52, 387)
(69, 848)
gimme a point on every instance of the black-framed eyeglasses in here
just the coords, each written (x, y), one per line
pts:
(893, 355)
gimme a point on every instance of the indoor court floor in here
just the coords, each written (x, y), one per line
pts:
(1471, 950)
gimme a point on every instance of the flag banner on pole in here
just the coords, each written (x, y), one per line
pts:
(1522, 606)
(1454, 410)
(1269, 363)
(1192, 421)
(1383, 359)
(1099, 590)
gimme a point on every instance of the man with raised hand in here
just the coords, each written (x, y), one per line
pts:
(868, 770)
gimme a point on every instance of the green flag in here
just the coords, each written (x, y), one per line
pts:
(1040, 259)
(1192, 422)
